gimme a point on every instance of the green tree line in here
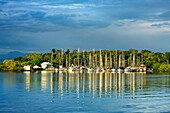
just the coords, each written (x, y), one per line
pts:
(158, 61)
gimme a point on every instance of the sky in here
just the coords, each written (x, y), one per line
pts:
(41, 25)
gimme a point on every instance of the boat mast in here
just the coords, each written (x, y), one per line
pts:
(59, 57)
(142, 59)
(96, 61)
(138, 60)
(120, 61)
(78, 56)
(84, 62)
(62, 56)
(93, 58)
(66, 61)
(133, 60)
(128, 61)
(123, 59)
(90, 60)
(116, 59)
(101, 61)
(106, 60)
(110, 60)
(69, 60)
(51, 57)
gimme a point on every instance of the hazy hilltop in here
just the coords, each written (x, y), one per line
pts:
(11, 55)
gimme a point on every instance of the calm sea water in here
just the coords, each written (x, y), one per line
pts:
(84, 92)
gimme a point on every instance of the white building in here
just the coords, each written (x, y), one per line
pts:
(45, 65)
(36, 67)
(27, 68)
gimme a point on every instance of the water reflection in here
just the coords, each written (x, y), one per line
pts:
(84, 92)
(88, 84)
(27, 81)
(96, 84)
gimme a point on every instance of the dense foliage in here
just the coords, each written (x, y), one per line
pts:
(155, 60)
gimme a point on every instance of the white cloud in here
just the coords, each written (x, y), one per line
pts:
(141, 27)
(68, 6)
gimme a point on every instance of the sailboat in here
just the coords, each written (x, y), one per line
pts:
(83, 66)
(73, 68)
(70, 68)
(50, 65)
(133, 68)
(78, 61)
(100, 68)
(110, 64)
(61, 65)
(121, 63)
(115, 69)
(91, 68)
(111, 69)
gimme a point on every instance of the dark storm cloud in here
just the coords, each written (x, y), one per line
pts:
(28, 15)
(42, 25)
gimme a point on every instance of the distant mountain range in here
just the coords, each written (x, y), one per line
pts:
(11, 55)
